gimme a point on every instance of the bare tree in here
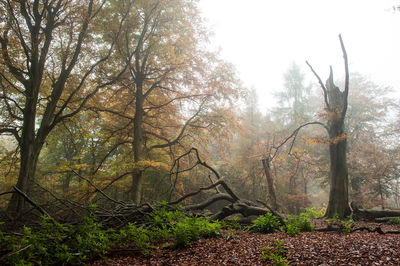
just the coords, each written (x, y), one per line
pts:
(336, 107)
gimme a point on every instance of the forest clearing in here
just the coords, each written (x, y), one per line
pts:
(126, 137)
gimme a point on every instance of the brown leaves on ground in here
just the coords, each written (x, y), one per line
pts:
(244, 248)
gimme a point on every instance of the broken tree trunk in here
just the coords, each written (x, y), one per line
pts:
(270, 182)
(374, 215)
(336, 107)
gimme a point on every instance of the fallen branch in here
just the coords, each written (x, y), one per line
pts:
(244, 207)
(97, 189)
(40, 209)
(219, 182)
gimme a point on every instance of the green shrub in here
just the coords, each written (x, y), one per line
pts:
(266, 223)
(347, 225)
(55, 243)
(158, 234)
(291, 229)
(275, 252)
(132, 235)
(163, 217)
(191, 228)
(395, 220)
(296, 224)
(313, 212)
(90, 239)
(232, 224)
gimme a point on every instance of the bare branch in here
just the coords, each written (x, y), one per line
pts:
(294, 135)
(96, 188)
(12, 131)
(204, 164)
(173, 142)
(118, 178)
(321, 84)
(108, 154)
(346, 81)
(175, 99)
(219, 182)
(41, 210)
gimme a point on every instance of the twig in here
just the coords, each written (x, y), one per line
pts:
(15, 252)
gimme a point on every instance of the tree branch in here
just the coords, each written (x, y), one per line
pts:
(173, 142)
(321, 84)
(96, 188)
(346, 81)
(294, 135)
(12, 131)
(41, 210)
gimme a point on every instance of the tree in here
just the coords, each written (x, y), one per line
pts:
(336, 108)
(51, 60)
(173, 89)
(372, 149)
(294, 105)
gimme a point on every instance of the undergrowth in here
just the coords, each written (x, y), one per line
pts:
(53, 243)
(267, 223)
(275, 253)
(292, 225)
(346, 225)
(395, 220)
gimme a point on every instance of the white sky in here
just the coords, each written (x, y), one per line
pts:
(262, 37)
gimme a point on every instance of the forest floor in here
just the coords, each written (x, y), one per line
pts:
(308, 248)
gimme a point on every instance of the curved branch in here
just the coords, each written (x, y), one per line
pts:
(346, 81)
(187, 123)
(12, 131)
(294, 135)
(321, 84)
(219, 182)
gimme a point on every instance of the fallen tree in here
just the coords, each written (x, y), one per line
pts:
(237, 206)
(374, 215)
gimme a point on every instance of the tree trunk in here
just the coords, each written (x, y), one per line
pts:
(66, 182)
(270, 181)
(29, 153)
(338, 204)
(137, 145)
(137, 184)
(24, 183)
(305, 181)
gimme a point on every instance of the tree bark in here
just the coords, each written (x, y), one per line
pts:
(338, 204)
(137, 177)
(270, 181)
